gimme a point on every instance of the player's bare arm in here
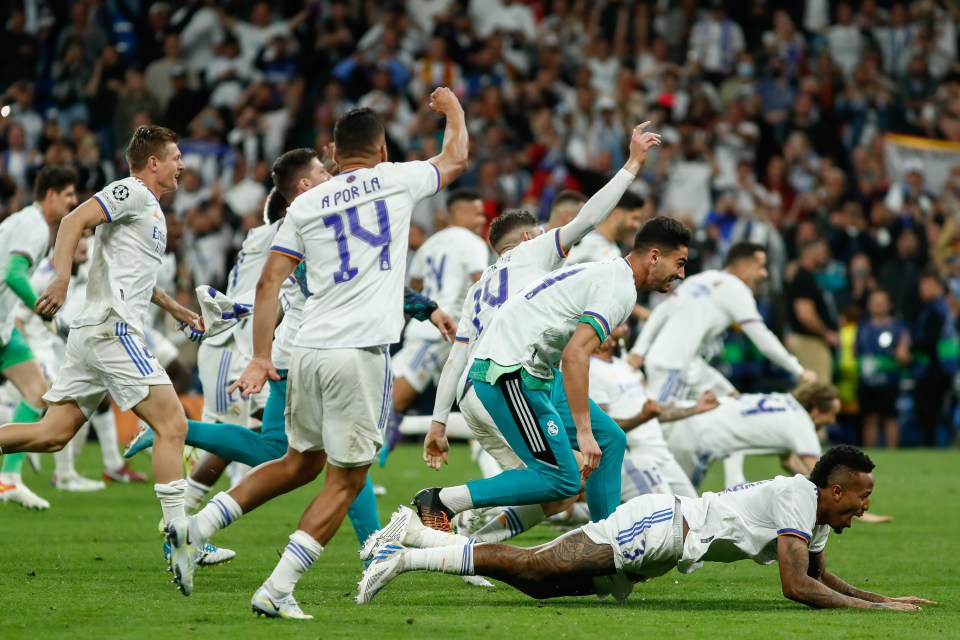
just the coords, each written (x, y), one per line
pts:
(436, 446)
(276, 269)
(87, 216)
(706, 402)
(840, 586)
(651, 409)
(452, 159)
(798, 585)
(179, 312)
(444, 323)
(576, 381)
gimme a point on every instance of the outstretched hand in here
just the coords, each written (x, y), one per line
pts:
(641, 142)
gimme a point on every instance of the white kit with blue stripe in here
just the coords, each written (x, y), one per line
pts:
(25, 233)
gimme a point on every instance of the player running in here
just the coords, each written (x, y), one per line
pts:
(105, 350)
(785, 519)
(699, 311)
(352, 232)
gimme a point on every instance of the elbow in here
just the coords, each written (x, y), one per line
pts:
(792, 592)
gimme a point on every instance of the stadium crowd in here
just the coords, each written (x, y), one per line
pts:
(773, 117)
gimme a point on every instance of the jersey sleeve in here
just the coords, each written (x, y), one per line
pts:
(121, 201)
(421, 178)
(605, 306)
(33, 242)
(288, 242)
(795, 509)
(820, 535)
(466, 331)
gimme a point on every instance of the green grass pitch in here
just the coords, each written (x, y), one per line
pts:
(91, 568)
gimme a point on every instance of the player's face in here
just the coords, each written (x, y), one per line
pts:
(665, 268)
(755, 271)
(849, 499)
(826, 418)
(64, 202)
(315, 176)
(469, 214)
(169, 168)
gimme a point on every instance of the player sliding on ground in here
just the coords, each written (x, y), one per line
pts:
(784, 519)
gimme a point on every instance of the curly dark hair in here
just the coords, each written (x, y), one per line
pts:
(843, 457)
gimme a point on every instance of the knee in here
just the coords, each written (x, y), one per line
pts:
(565, 483)
(54, 440)
(616, 444)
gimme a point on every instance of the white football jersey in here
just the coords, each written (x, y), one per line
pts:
(250, 260)
(510, 274)
(353, 233)
(701, 308)
(293, 297)
(532, 328)
(446, 263)
(618, 389)
(127, 256)
(753, 421)
(39, 337)
(594, 248)
(24, 233)
(166, 281)
(745, 521)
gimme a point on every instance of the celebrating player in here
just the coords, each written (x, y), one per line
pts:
(24, 242)
(785, 519)
(105, 350)
(698, 312)
(352, 232)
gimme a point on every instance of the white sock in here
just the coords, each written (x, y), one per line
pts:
(218, 513)
(457, 560)
(511, 522)
(63, 461)
(428, 538)
(10, 478)
(733, 470)
(194, 494)
(106, 427)
(171, 499)
(456, 499)
(237, 471)
(300, 554)
(489, 467)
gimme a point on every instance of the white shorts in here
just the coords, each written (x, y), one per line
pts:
(338, 401)
(161, 346)
(486, 432)
(106, 358)
(653, 470)
(50, 360)
(667, 385)
(646, 535)
(219, 368)
(420, 362)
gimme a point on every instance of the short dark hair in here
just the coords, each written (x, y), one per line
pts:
(567, 196)
(462, 195)
(630, 201)
(56, 178)
(507, 222)
(289, 169)
(148, 140)
(275, 206)
(358, 132)
(661, 233)
(931, 273)
(843, 457)
(743, 250)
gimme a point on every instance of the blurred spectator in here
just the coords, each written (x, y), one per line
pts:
(134, 98)
(900, 275)
(812, 320)
(936, 356)
(185, 102)
(883, 349)
(895, 40)
(910, 195)
(19, 51)
(159, 74)
(845, 41)
(715, 42)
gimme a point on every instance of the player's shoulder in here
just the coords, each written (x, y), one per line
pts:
(798, 486)
(26, 216)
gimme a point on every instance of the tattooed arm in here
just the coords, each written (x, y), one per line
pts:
(819, 561)
(800, 584)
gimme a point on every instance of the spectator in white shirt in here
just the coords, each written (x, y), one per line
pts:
(845, 40)
(715, 42)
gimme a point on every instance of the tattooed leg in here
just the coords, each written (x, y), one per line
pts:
(563, 567)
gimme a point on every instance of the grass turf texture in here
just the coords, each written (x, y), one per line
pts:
(91, 567)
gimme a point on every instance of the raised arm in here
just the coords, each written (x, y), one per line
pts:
(804, 581)
(452, 159)
(597, 208)
(86, 216)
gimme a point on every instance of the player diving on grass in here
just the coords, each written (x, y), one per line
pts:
(105, 348)
(352, 232)
(787, 519)
(527, 255)
(563, 316)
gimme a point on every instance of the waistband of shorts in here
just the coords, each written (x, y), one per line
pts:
(677, 530)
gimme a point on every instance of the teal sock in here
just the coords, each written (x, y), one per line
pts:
(363, 512)
(13, 462)
(233, 442)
